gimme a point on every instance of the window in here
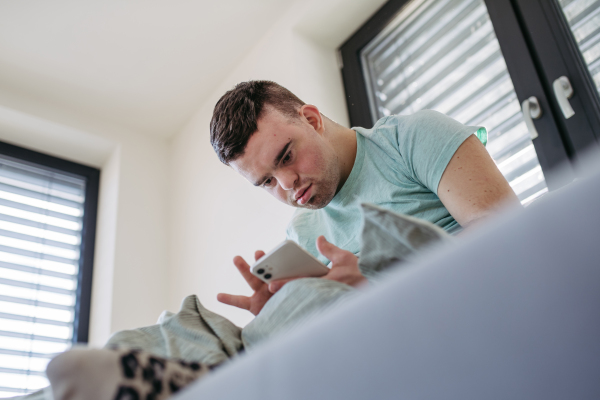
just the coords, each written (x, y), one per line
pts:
(485, 63)
(584, 21)
(47, 229)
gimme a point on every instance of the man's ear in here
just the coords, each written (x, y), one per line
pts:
(313, 116)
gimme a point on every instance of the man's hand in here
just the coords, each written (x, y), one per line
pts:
(344, 266)
(261, 294)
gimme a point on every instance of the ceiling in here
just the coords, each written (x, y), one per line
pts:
(144, 65)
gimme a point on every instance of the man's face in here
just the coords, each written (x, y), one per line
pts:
(291, 159)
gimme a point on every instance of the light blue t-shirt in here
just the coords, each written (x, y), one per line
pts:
(398, 165)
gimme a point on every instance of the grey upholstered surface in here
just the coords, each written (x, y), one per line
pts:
(510, 311)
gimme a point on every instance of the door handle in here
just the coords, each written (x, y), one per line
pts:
(531, 110)
(563, 92)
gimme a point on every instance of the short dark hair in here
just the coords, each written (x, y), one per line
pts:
(237, 112)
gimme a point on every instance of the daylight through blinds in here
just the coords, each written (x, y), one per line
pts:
(583, 17)
(443, 55)
(40, 234)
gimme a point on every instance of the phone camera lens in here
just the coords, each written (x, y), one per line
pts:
(268, 276)
(260, 271)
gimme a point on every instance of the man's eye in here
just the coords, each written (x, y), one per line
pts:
(267, 183)
(287, 158)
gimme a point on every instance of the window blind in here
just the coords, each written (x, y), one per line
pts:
(583, 17)
(41, 214)
(444, 55)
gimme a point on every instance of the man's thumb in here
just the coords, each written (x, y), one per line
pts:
(327, 249)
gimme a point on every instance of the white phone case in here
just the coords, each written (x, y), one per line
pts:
(288, 260)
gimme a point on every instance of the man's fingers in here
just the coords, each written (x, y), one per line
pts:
(276, 285)
(331, 251)
(258, 254)
(234, 300)
(325, 248)
(244, 269)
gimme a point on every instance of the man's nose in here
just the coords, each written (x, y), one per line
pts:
(287, 180)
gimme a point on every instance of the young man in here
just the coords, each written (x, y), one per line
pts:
(425, 165)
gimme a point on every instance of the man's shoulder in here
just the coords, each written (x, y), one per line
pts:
(394, 127)
(402, 131)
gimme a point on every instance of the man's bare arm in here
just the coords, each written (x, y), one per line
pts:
(472, 187)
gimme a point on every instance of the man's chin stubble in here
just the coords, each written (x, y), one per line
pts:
(315, 203)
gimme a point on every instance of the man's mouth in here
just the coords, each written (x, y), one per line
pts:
(303, 197)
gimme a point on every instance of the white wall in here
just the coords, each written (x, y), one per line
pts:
(129, 288)
(214, 213)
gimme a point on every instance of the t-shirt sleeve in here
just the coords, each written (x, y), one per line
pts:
(427, 140)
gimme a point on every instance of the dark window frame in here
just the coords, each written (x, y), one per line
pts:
(553, 147)
(88, 234)
(556, 54)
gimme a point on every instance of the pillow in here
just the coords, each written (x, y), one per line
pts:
(388, 238)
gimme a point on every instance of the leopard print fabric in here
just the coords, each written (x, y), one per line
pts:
(119, 374)
(147, 377)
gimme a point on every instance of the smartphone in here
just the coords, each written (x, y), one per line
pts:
(288, 260)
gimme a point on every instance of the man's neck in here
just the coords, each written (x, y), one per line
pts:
(343, 141)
